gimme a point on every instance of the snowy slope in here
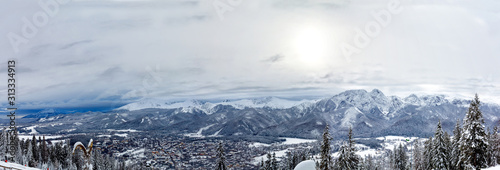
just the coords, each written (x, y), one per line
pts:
(493, 168)
(8, 165)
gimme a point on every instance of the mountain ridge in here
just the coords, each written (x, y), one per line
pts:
(370, 114)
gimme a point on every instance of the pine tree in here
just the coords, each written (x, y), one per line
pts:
(347, 157)
(274, 162)
(474, 142)
(353, 158)
(221, 158)
(19, 154)
(262, 165)
(44, 152)
(492, 147)
(401, 159)
(455, 151)
(326, 158)
(427, 159)
(343, 159)
(440, 149)
(495, 145)
(417, 155)
(3, 143)
(268, 162)
(29, 155)
(34, 149)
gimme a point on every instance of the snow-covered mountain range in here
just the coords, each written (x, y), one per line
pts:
(371, 114)
(208, 107)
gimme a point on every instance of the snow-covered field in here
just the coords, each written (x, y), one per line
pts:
(25, 137)
(8, 165)
(493, 168)
(279, 155)
(291, 141)
(139, 153)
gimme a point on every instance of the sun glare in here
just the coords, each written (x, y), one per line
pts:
(311, 46)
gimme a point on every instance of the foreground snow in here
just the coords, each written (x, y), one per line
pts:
(291, 141)
(306, 165)
(7, 165)
(493, 168)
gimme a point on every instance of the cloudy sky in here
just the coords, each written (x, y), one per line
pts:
(89, 53)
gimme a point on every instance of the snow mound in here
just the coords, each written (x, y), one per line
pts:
(306, 165)
(493, 168)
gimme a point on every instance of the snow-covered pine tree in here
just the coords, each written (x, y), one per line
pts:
(455, 145)
(401, 159)
(326, 158)
(262, 165)
(474, 141)
(440, 149)
(274, 162)
(353, 158)
(492, 147)
(96, 157)
(44, 151)
(495, 145)
(34, 149)
(19, 154)
(342, 162)
(427, 156)
(417, 155)
(268, 162)
(29, 156)
(221, 158)
(3, 143)
(369, 164)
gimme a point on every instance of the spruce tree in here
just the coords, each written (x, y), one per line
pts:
(34, 150)
(326, 158)
(474, 141)
(268, 162)
(343, 159)
(353, 158)
(221, 158)
(455, 151)
(417, 155)
(44, 151)
(495, 145)
(427, 159)
(347, 157)
(19, 154)
(29, 155)
(440, 159)
(401, 159)
(274, 162)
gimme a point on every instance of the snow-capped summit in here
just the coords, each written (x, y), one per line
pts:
(208, 107)
(360, 99)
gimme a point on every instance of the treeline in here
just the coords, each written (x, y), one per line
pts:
(39, 153)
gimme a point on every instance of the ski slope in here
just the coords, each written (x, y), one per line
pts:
(14, 166)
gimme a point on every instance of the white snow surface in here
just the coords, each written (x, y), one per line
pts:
(257, 144)
(493, 168)
(4, 164)
(306, 165)
(208, 107)
(291, 141)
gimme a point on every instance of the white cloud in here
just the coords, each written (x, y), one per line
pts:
(100, 50)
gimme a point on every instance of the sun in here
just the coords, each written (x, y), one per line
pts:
(311, 45)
